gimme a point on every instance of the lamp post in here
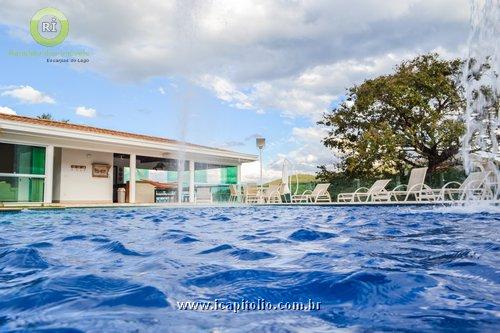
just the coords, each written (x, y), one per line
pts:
(260, 142)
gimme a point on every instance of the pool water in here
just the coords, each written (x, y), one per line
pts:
(371, 268)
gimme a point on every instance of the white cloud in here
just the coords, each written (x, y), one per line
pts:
(226, 91)
(293, 57)
(308, 152)
(28, 94)
(161, 90)
(7, 110)
(309, 134)
(250, 173)
(308, 94)
(85, 112)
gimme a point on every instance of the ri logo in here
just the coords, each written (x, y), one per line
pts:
(49, 27)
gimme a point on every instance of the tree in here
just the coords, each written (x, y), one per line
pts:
(48, 116)
(45, 116)
(393, 122)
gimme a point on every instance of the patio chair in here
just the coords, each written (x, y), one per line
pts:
(234, 193)
(251, 193)
(474, 186)
(376, 192)
(319, 194)
(273, 194)
(415, 187)
(493, 179)
(203, 195)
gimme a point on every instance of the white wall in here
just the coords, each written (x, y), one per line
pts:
(79, 185)
(56, 177)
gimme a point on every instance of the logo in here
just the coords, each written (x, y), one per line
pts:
(49, 27)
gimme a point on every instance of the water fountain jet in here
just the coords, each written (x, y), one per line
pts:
(480, 146)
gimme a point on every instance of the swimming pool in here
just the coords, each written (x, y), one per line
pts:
(375, 268)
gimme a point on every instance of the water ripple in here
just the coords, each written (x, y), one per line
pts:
(85, 292)
(305, 235)
(22, 258)
(118, 247)
(372, 269)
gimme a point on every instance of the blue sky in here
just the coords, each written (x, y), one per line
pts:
(203, 74)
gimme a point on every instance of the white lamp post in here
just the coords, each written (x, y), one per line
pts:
(260, 142)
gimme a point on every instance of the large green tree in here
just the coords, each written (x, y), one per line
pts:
(406, 119)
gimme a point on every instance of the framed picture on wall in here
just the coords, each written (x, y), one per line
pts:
(100, 170)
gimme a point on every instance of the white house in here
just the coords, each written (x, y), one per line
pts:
(50, 161)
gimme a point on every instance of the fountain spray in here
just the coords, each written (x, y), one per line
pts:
(480, 149)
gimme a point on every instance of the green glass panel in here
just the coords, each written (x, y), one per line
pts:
(21, 189)
(171, 176)
(126, 174)
(228, 175)
(220, 193)
(22, 159)
(36, 190)
(29, 160)
(141, 174)
(8, 189)
(223, 175)
(146, 174)
(232, 175)
(37, 160)
(200, 176)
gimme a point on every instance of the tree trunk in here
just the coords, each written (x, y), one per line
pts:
(433, 160)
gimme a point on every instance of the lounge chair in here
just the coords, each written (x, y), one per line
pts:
(203, 195)
(474, 186)
(415, 187)
(376, 192)
(319, 194)
(234, 193)
(272, 194)
(251, 193)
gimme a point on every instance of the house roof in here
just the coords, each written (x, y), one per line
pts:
(97, 130)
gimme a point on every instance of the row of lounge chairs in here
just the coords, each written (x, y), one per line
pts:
(474, 186)
(273, 194)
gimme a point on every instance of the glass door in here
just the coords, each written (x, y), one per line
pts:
(22, 173)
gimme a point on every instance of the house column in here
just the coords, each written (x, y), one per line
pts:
(238, 182)
(131, 184)
(238, 174)
(49, 174)
(180, 178)
(191, 181)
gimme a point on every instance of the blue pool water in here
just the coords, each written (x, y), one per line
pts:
(371, 268)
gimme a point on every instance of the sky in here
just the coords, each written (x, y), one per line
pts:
(219, 73)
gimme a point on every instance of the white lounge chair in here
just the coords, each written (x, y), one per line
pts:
(416, 187)
(203, 195)
(234, 193)
(272, 194)
(376, 192)
(319, 194)
(251, 193)
(474, 186)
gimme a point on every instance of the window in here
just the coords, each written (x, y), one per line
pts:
(22, 173)
(215, 174)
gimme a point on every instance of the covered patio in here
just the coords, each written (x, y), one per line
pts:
(56, 162)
